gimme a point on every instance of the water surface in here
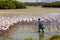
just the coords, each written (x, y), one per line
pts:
(30, 30)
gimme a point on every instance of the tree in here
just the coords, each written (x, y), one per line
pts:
(11, 4)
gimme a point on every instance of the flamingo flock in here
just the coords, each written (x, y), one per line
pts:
(5, 22)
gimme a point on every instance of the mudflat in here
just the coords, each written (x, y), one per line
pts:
(29, 10)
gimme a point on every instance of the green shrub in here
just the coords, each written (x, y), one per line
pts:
(33, 4)
(9, 4)
(19, 5)
(52, 4)
(55, 37)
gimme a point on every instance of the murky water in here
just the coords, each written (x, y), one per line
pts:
(26, 30)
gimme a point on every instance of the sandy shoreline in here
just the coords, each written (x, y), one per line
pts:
(31, 10)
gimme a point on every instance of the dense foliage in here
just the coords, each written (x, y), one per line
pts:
(13, 4)
(52, 4)
(9, 4)
(33, 3)
(46, 4)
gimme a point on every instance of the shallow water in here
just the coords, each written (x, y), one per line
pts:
(30, 30)
(23, 33)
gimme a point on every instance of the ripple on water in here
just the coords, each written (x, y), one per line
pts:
(24, 33)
